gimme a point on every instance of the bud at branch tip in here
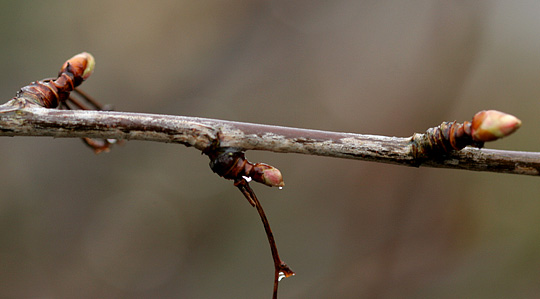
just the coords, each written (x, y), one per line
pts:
(489, 125)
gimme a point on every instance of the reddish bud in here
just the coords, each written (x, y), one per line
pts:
(270, 175)
(489, 125)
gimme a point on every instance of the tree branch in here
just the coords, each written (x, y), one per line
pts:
(21, 118)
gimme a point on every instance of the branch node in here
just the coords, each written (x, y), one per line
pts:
(438, 142)
(230, 163)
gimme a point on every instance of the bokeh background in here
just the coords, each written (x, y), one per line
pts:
(150, 220)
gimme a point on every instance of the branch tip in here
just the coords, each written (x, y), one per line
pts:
(490, 125)
(487, 125)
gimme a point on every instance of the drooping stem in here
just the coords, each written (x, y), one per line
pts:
(281, 270)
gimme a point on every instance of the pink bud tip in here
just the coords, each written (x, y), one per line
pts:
(271, 176)
(489, 125)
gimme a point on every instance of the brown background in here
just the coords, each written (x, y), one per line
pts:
(151, 220)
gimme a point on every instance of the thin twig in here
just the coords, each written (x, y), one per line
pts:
(281, 270)
(24, 119)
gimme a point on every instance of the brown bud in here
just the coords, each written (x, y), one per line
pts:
(82, 63)
(489, 125)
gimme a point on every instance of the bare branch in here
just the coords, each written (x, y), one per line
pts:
(19, 118)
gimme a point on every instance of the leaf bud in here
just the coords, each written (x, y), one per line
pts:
(270, 175)
(489, 125)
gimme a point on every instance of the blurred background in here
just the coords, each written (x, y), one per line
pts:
(151, 220)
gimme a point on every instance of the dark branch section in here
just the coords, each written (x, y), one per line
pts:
(24, 119)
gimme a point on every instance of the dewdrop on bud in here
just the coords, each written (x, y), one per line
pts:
(489, 125)
(271, 176)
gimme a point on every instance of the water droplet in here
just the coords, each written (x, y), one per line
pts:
(281, 275)
(247, 178)
(112, 141)
(280, 188)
